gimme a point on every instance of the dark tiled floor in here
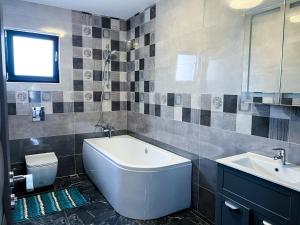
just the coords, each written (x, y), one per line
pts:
(99, 212)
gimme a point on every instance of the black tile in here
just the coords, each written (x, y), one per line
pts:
(186, 115)
(287, 101)
(132, 86)
(260, 126)
(205, 118)
(97, 32)
(106, 22)
(78, 107)
(152, 12)
(66, 166)
(136, 76)
(115, 45)
(97, 54)
(137, 32)
(207, 201)
(115, 106)
(97, 75)
(128, 106)
(152, 50)
(77, 41)
(128, 25)
(128, 56)
(115, 66)
(147, 39)
(279, 129)
(58, 107)
(171, 99)
(146, 109)
(115, 86)
(137, 97)
(79, 164)
(78, 85)
(12, 109)
(157, 110)
(77, 63)
(230, 103)
(142, 64)
(97, 96)
(34, 96)
(146, 86)
(257, 99)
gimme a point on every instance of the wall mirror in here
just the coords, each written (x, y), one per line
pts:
(272, 53)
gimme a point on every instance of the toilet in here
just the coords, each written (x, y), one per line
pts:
(43, 168)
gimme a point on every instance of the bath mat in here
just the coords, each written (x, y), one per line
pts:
(47, 203)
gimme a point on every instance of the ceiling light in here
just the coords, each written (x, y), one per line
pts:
(295, 19)
(244, 4)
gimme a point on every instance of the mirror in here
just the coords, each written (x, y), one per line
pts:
(263, 49)
(272, 53)
(290, 82)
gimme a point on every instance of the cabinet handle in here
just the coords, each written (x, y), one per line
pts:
(231, 206)
(266, 223)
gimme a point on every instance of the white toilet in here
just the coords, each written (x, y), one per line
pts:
(43, 168)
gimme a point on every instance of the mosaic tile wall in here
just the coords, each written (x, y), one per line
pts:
(141, 60)
(91, 36)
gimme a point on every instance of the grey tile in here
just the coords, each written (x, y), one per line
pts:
(229, 121)
(46, 96)
(205, 102)
(279, 129)
(294, 131)
(167, 112)
(186, 100)
(195, 116)
(11, 97)
(57, 96)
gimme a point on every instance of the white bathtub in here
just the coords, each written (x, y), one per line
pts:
(139, 180)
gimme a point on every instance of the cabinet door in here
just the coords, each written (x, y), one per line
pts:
(258, 219)
(230, 212)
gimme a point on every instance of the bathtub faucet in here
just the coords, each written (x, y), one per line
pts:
(107, 129)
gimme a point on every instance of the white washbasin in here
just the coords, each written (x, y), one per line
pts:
(265, 167)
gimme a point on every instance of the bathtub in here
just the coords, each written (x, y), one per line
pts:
(139, 180)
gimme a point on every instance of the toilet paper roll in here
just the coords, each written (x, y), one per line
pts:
(29, 183)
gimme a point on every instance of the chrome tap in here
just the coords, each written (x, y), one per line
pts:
(107, 129)
(281, 154)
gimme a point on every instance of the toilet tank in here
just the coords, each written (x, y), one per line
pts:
(43, 168)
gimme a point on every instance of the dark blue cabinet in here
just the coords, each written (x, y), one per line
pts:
(243, 199)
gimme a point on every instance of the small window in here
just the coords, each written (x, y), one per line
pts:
(31, 57)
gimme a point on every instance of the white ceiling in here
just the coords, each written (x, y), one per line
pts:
(114, 8)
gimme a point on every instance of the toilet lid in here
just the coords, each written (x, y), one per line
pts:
(40, 159)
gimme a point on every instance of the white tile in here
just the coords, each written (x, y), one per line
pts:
(115, 24)
(178, 113)
(243, 124)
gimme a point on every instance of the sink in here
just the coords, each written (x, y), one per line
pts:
(266, 168)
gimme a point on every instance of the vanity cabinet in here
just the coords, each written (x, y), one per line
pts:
(244, 199)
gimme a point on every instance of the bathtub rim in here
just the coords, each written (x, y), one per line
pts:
(124, 166)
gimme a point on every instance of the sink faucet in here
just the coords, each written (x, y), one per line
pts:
(281, 154)
(107, 130)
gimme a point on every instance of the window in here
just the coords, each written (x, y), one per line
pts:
(31, 57)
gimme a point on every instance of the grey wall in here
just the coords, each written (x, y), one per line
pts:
(198, 112)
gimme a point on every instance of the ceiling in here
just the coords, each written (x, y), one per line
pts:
(122, 9)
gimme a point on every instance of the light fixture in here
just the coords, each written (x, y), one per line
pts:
(244, 4)
(295, 19)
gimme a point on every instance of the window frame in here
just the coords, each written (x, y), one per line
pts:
(9, 49)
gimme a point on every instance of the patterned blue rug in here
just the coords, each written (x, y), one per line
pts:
(47, 203)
